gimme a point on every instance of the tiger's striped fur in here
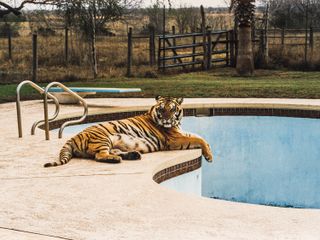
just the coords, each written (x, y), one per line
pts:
(112, 141)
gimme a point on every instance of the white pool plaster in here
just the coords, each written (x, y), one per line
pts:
(189, 183)
(89, 200)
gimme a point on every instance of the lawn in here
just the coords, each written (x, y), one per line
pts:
(216, 83)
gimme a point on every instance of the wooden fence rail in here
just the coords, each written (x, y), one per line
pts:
(290, 38)
(169, 51)
(219, 48)
(279, 36)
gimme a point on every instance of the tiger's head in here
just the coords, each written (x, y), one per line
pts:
(167, 112)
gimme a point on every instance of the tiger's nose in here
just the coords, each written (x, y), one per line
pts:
(166, 115)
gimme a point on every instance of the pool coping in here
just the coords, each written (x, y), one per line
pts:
(161, 208)
(220, 109)
(167, 172)
(171, 170)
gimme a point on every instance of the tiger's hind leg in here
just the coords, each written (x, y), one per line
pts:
(132, 155)
(105, 156)
(100, 149)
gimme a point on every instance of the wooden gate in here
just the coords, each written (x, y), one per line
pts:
(196, 49)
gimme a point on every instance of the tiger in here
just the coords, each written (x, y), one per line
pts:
(113, 141)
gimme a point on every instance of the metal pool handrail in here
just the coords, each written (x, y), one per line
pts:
(41, 91)
(45, 102)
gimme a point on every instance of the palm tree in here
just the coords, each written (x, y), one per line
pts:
(244, 15)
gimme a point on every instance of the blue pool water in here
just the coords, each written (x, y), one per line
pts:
(261, 160)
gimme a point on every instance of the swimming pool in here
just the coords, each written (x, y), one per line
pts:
(261, 160)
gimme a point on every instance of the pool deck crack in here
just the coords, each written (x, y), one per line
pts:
(69, 176)
(35, 233)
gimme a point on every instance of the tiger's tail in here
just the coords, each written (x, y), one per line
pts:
(64, 157)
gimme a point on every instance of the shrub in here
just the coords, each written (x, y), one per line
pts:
(4, 28)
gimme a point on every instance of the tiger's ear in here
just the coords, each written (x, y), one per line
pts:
(158, 98)
(179, 101)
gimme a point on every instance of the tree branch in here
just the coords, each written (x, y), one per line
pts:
(17, 10)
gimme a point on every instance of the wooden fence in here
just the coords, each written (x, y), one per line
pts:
(214, 48)
(35, 49)
(38, 56)
(306, 40)
(206, 49)
(151, 48)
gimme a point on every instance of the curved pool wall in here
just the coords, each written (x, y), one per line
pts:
(261, 160)
(193, 180)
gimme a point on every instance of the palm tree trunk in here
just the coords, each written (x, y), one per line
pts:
(245, 65)
(244, 14)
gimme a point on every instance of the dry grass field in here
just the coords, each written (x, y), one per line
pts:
(112, 52)
(111, 55)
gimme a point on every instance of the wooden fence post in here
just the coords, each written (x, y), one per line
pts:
(311, 38)
(9, 42)
(311, 42)
(282, 37)
(306, 37)
(194, 41)
(204, 42)
(262, 46)
(235, 38)
(227, 49)
(173, 29)
(232, 48)
(159, 53)
(174, 40)
(152, 50)
(306, 47)
(34, 56)
(209, 50)
(129, 63)
(266, 36)
(66, 44)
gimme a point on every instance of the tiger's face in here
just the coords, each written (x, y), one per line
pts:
(167, 112)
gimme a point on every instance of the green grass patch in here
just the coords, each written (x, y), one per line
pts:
(217, 83)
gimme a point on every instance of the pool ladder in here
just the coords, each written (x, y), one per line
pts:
(47, 120)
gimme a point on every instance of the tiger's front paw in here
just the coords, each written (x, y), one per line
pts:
(208, 154)
(208, 157)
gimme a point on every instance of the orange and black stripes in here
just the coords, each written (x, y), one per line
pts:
(65, 155)
(144, 133)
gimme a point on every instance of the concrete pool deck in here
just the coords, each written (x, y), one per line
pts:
(89, 200)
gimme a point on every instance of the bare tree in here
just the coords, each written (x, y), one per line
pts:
(155, 16)
(218, 21)
(186, 18)
(294, 13)
(7, 8)
(92, 15)
(194, 20)
(88, 15)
